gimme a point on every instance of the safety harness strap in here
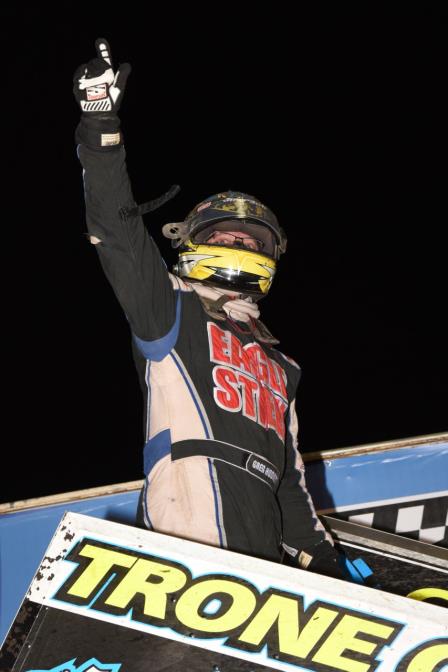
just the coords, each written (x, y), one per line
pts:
(253, 463)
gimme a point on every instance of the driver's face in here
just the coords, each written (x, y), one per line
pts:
(234, 238)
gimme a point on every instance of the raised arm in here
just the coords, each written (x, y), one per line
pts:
(128, 254)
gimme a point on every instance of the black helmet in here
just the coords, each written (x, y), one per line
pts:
(229, 264)
(225, 206)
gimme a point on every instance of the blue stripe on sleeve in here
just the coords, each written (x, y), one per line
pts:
(158, 349)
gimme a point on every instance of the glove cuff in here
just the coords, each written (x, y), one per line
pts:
(322, 558)
(99, 131)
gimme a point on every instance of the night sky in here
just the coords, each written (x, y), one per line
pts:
(337, 120)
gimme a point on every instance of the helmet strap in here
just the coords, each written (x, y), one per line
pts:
(258, 329)
(214, 308)
(261, 332)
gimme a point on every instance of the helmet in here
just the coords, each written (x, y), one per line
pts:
(246, 270)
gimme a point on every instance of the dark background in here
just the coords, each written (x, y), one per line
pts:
(335, 118)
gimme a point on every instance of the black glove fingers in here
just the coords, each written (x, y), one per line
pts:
(96, 67)
(79, 72)
(99, 127)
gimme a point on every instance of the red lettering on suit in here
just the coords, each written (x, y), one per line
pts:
(226, 391)
(247, 380)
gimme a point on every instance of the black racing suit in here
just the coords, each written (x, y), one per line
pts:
(220, 454)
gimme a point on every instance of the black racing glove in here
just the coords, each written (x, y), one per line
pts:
(99, 92)
(322, 558)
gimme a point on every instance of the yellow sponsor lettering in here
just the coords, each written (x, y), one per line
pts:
(293, 639)
(239, 605)
(428, 657)
(139, 580)
(161, 592)
(103, 560)
(343, 638)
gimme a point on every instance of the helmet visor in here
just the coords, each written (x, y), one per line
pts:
(237, 233)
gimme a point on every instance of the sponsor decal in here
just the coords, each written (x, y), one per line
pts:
(96, 92)
(203, 206)
(255, 465)
(151, 590)
(91, 665)
(428, 657)
(242, 207)
(247, 381)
